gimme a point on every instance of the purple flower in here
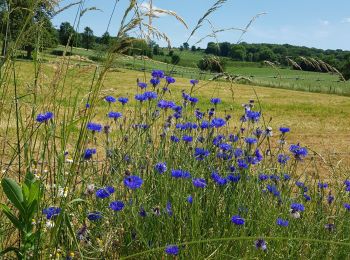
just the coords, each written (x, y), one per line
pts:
(172, 250)
(93, 216)
(200, 154)
(160, 167)
(298, 151)
(123, 100)
(199, 183)
(51, 212)
(261, 244)
(347, 206)
(237, 220)
(187, 138)
(116, 205)
(88, 153)
(217, 122)
(282, 223)
(114, 115)
(174, 139)
(164, 104)
(154, 81)
(110, 99)
(44, 117)
(194, 81)
(169, 209)
(284, 130)
(158, 74)
(169, 79)
(133, 182)
(250, 140)
(283, 159)
(215, 101)
(190, 199)
(180, 174)
(104, 192)
(142, 85)
(94, 127)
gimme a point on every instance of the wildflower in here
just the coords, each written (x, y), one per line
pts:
(282, 222)
(174, 139)
(284, 130)
(154, 81)
(238, 152)
(142, 85)
(114, 115)
(286, 177)
(263, 177)
(164, 104)
(94, 127)
(283, 159)
(180, 174)
(273, 189)
(250, 140)
(160, 167)
(133, 182)
(199, 115)
(89, 189)
(193, 100)
(330, 198)
(104, 192)
(149, 95)
(237, 220)
(298, 151)
(88, 153)
(199, 183)
(218, 179)
(158, 74)
(268, 131)
(234, 178)
(123, 100)
(142, 212)
(205, 125)
(140, 97)
(194, 81)
(172, 250)
(200, 154)
(116, 205)
(242, 164)
(62, 192)
(187, 138)
(306, 197)
(87, 105)
(93, 216)
(322, 185)
(225, 147)
(347, 206)
(330, 227)
(190, 199)
(217, 122)
(169, 79)
(215, 101)
(253, 116)
(110, 99)
(261, 244)
(169, 209)
(51, 212)
(44, 117)
(49, 224)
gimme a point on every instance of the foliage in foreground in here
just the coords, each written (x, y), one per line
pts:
(169, 179)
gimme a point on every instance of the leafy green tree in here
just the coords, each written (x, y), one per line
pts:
(193, 48)
(88, 38)
(266, 53)
(186, 46)
(156, 49)
(66, 33)
(345, 70)
(225, 49)
(175, 59)
(105, 39)
(212, 48)
(238, 52)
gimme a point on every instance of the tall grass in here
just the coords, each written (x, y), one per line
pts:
(194, 171)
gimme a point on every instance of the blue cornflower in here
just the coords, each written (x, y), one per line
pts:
(273, 189)
(200, 154)
(234, 178)
(142, 212)
(174, 139)
(88, 153)
(215, 101)
(237, 220)
(193, 100)
(194, 81)
(238, 152)
(133, 182)
(306, 197)
(44, 117)
(164, 104)
(180, 174)
(253, 116)
(218, 179)
(218, 122)
(169, 208)
(281, 222)
(169, 79)
(205, 124)
(274, 177)
(199, 115)
(225, 147)
(172, 250)
(260, 244)
(123, 100)
(114, 115)
(154, 81)
(140, 97)
(233, 138)
(347, 183)
(286, 177)
(199, 182)
(283, 159)
(116, 205)
(93, 216)
(185, 96)
(297, 207)
(158, 74)
(211, 112)
(149, 95)
(87, 105)
(298, 151)
(250, 140)
(347, 206)
(94, 127)
(142, 85)
(110, 99)
(190, 199)
(160, 167)
(242, 164)
(263, 177)
(284, 130)
(322, 185)
(104, 192)
(187, 138)
(51, 212)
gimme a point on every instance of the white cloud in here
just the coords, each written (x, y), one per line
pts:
(346, 20)
(325, 22)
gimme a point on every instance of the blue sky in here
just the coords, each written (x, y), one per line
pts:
(314, 23)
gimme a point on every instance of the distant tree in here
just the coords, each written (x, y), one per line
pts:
(88, 38)
(105, 39)
(266, 53)
(225, 49)
(175, 59)
(156, 49)
(193, 48)
(181, 48)
(238, 52)
(186, 46)
(345, 70)
(199, 49)
(212, 48)
(171, 53)
(65, 33)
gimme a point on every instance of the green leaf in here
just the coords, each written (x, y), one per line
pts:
(15, 221)
(14, 193)
(34, 192)
(29, 179)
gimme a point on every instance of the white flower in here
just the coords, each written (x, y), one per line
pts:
(49, 224)
(62, 192)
